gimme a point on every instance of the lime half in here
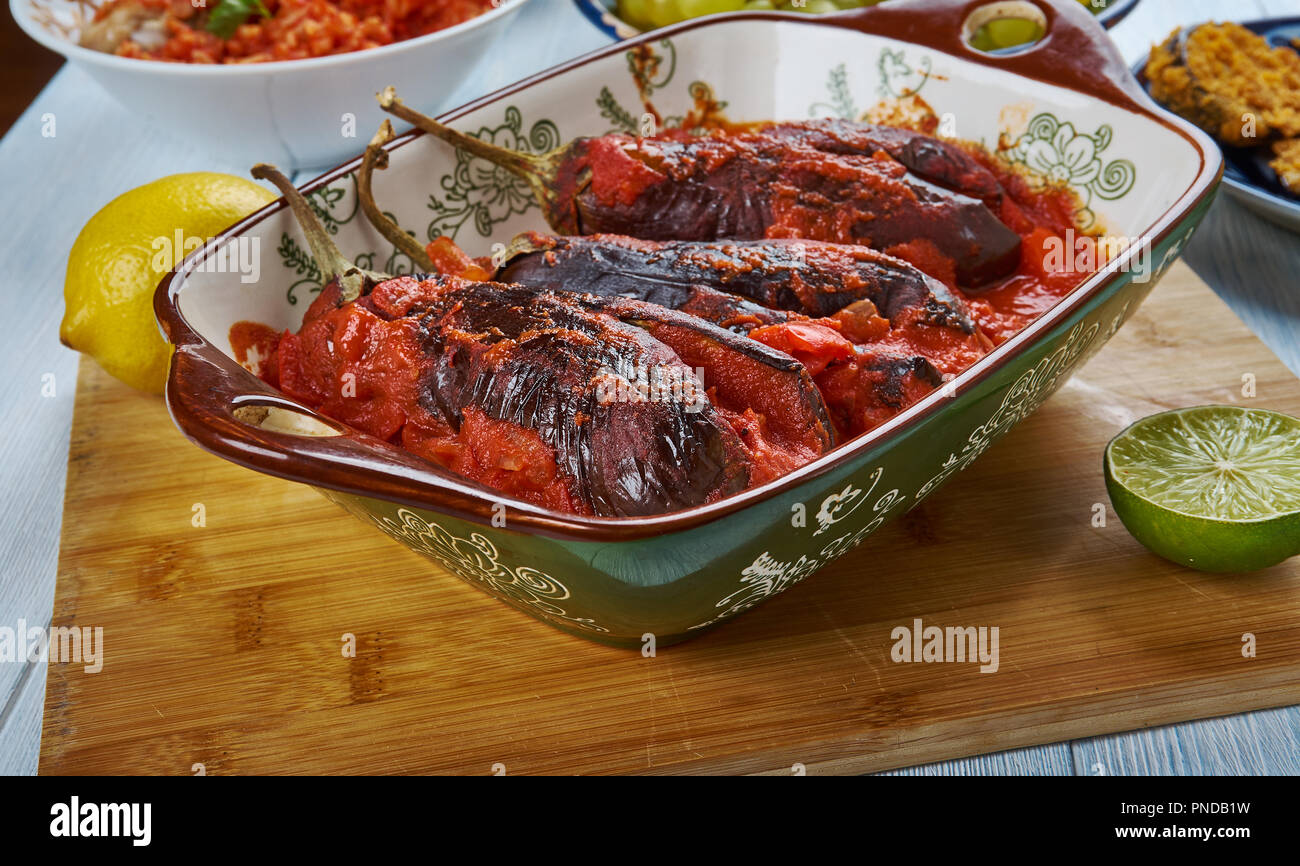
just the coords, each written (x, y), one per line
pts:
(1216, 488)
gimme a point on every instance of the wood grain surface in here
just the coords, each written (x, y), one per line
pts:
(102, 150)
(223, 643)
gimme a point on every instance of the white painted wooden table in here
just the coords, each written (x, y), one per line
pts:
(51, 186)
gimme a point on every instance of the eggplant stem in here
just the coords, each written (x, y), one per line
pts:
(377, 158)
(522, 164)
(538, 170)
(330, 260)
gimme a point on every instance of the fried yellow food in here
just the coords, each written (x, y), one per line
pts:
(1228, 81)
(1286, 163)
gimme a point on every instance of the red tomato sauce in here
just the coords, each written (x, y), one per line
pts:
(1042, 217)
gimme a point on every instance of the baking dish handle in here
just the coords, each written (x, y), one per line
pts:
(1075, 50)
(206, 391)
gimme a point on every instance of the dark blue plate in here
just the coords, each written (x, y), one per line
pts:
(1246, 174)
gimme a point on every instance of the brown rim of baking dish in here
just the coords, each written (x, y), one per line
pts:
(205, 386)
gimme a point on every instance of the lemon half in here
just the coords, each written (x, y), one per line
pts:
(125, 249)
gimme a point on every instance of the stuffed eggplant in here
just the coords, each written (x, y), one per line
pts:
(575, 402)
(813, 181)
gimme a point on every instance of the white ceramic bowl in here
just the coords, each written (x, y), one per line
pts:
(295, 113)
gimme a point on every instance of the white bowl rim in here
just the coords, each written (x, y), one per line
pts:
(20, 9)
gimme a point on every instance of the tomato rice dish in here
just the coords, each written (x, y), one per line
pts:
(257, 31)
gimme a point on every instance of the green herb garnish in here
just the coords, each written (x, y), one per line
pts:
(229, 14)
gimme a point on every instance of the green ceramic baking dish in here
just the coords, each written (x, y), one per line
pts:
(1067, 108)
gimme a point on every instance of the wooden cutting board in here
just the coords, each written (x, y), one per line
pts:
(223, 642)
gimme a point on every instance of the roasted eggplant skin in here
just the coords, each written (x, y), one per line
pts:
(933, 159)
(740, 372)
(536, 359)
(760, 184)
(863, 386)
(812, 278)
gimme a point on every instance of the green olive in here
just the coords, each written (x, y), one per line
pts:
(648, 14)
(696, 8)
(1002, 33)
(635, 12)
